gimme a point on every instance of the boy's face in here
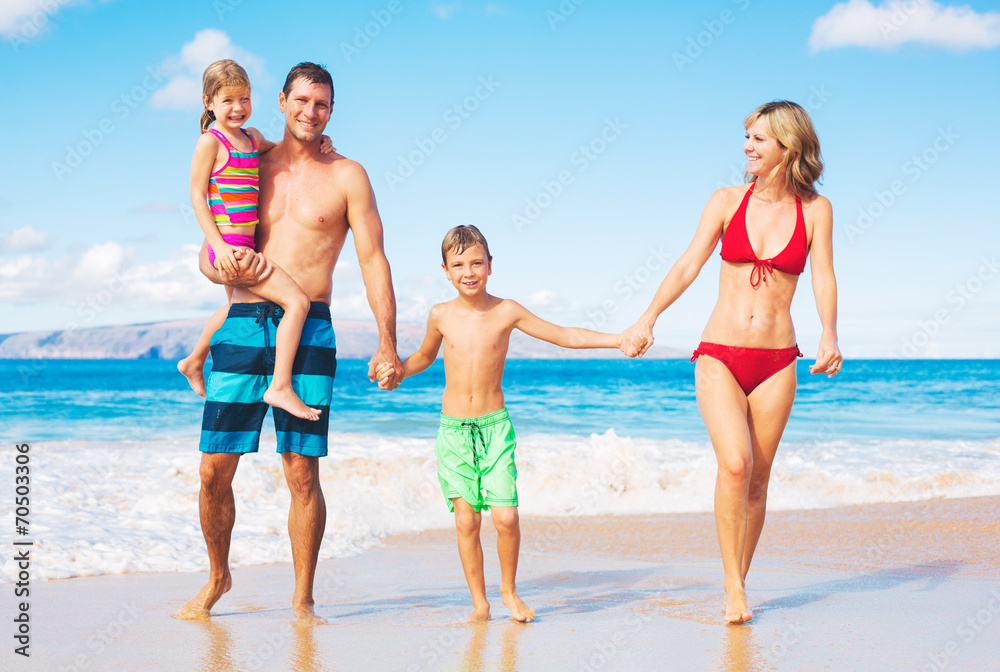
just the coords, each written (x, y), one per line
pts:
(468, 271)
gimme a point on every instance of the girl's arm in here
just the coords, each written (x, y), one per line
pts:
(564, 337)
(206, 153)
(264, 145)
(828, 358)
(639, 337)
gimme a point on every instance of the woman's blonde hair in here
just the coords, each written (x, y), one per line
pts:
(224, 74)
(791, 126)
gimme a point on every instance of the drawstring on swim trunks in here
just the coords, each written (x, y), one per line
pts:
(476, 432)
(264, 311)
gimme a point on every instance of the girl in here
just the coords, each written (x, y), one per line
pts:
(224, 188)
(745, 376)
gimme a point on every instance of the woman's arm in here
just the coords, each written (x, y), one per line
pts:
(564, 337)
(828, 358)
(639, 337)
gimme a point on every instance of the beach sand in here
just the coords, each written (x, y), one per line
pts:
(906, 586)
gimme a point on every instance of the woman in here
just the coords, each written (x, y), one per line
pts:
(745, 374)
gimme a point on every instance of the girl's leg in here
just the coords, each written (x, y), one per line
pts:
(282, 290)
(470, 550)
(193, 366)
(770, 405)
(723, 408)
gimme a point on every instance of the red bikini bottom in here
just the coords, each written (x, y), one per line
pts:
(749, 366)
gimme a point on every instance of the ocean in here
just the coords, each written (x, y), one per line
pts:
(114, 461)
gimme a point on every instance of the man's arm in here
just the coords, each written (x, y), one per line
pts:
(366, 225)
(253, 268)
(564, 337)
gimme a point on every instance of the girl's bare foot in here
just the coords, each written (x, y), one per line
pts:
(201, 605)
(737, 609)
(286, 399)
(519, 610)
(194, 370)
(478, 615)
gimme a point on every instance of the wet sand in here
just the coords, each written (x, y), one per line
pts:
(910, 586)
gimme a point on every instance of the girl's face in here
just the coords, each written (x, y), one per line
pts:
(762, 150)
(231, 107)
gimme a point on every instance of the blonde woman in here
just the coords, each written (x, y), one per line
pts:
(745, 372)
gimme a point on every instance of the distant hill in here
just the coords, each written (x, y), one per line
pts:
(174, 340)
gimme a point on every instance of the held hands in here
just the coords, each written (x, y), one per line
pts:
(636, 340)
(386, 368)
(326, 145)
(828, 358)
(226, 260)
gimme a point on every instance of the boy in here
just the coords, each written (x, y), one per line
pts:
(475, 444)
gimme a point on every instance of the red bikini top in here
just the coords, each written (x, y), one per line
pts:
(736, 246)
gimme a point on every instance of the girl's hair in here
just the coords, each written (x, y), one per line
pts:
(462, 238)
(225, 74)
(793, 129)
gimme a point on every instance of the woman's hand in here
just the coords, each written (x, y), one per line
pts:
(636, 340)
(828, 358)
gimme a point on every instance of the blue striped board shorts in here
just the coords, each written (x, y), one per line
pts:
(242, 364)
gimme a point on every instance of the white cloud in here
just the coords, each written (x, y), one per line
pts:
(23, 240)
(28, 18)
(495, 10)
(183, 91)
(858, 23)
(445, 10)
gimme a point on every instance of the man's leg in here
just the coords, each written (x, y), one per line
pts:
(217, 510)
(306, 524)
(506, 520)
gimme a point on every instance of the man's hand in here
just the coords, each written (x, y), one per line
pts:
(252, 270)
(386, 356)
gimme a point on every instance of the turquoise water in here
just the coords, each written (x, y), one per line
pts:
(115, 400)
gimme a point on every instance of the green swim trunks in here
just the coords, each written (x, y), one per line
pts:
(476, 460)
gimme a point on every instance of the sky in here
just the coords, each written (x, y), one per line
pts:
(583, 137)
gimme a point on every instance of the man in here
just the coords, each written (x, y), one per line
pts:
(308, 201)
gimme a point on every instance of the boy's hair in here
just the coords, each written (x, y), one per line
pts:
(312, 73)
(224, 74)
(462, 238)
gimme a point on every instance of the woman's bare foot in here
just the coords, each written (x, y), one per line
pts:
(201, 605)
(519, 610)
(194, 370)
(286, 399)
(305, 615)
(737, 609)
(478, 615)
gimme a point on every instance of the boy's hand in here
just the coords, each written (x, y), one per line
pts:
(326, 145)
(384, 373)
(636, 340)
(394, 374)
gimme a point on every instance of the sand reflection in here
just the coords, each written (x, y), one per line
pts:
(305, 654)
(218, 653)
(474, 656)
(741, 650)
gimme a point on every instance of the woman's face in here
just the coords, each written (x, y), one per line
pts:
(762, 150)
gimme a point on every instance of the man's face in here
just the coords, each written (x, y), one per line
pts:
(306, 109)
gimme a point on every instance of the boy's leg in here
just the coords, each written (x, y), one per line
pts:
(282, 290)
(470, 550)
(193, 366)
(506, 520)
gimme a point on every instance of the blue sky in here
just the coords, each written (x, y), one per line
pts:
(582, 137)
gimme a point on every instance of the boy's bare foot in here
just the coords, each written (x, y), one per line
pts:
(519, 610)
(737, 609)
(286, 399)
(478, 615)
(201, 605)
(194, 371)
(305, 615)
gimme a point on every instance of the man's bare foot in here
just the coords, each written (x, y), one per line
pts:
(194, 370)
(519, 610)
(201, 605)
(478, 615)
(286, 399)
(305, 615)
(737, 609)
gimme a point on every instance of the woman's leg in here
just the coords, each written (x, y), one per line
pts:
(723, 408)
(770, 405)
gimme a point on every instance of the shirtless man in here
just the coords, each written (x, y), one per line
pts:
(475, 444)
(308, 201)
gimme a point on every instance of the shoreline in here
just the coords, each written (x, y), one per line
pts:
(879, 586)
